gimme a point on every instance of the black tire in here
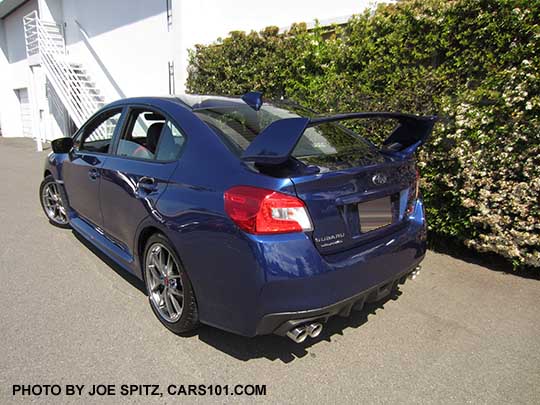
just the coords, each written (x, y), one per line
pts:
(189, 317)
(56, 220)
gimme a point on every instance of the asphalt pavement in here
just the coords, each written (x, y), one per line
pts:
(459, 333)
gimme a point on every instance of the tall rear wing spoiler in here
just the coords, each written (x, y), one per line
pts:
(275, 144)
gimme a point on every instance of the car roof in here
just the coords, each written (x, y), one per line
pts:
(201, 101)
(191, 101)
(145, 100)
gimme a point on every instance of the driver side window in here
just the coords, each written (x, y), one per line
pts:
(97, 135)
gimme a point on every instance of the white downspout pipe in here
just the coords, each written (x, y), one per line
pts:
(34, 107)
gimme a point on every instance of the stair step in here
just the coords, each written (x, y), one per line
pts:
(85, 86)
(82, 92)
(49, 25)
(50, 31)
(55, 38)
(83, 76)
(88, 93)
(53, 33)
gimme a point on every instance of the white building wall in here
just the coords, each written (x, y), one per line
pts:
(14, 70)
(51, 10)
(124, 44)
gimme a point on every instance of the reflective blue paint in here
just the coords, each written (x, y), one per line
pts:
(237, 278)
(276, 142)
(253, 99)
(83, 184)
(403, 198)
(123, 204)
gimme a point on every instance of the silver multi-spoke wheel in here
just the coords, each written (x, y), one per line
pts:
(164, 282)
(52, 203)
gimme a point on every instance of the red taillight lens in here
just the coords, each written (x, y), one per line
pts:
(261, 211)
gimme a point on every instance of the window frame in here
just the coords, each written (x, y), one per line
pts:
(92, 119)
(151, 109)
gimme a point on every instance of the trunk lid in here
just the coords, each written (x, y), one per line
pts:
(336, 202)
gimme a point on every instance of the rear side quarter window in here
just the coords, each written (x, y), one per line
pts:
(170, 143)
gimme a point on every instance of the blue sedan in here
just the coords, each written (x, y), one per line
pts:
(254, 217)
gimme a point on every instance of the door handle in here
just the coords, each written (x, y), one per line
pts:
(93, 174)
(147, 184)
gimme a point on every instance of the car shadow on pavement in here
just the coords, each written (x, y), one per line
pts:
(126, 275)
(271, 347)
(282, 348)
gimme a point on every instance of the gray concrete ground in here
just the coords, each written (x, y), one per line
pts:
(459, 333)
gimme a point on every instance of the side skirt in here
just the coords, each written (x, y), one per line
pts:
(97, 238)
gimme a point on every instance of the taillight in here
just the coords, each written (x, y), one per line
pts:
(261, 211)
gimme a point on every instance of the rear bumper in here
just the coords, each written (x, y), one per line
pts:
(280, 323)
(303, 285)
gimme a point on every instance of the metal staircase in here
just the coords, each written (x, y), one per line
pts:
(45, 46)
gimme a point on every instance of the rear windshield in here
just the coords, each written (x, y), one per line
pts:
(239, 125)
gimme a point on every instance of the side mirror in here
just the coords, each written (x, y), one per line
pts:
(62, 145)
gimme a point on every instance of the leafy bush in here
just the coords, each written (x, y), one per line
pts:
(474, 63)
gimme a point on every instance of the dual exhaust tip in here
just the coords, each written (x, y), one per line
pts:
(412, 275)
(301, 333)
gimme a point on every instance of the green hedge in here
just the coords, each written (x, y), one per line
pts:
(475, 63)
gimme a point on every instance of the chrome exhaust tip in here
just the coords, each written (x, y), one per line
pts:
(298, 334)
(314, 329)
(412, 275)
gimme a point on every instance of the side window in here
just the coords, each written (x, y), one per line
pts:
(170, 142)
(97, 135)
(141, 136)
(149, 135)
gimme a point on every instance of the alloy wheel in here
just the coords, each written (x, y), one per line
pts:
(52, 202)
(164, 282)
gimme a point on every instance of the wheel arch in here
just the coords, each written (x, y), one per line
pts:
(145, 234)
